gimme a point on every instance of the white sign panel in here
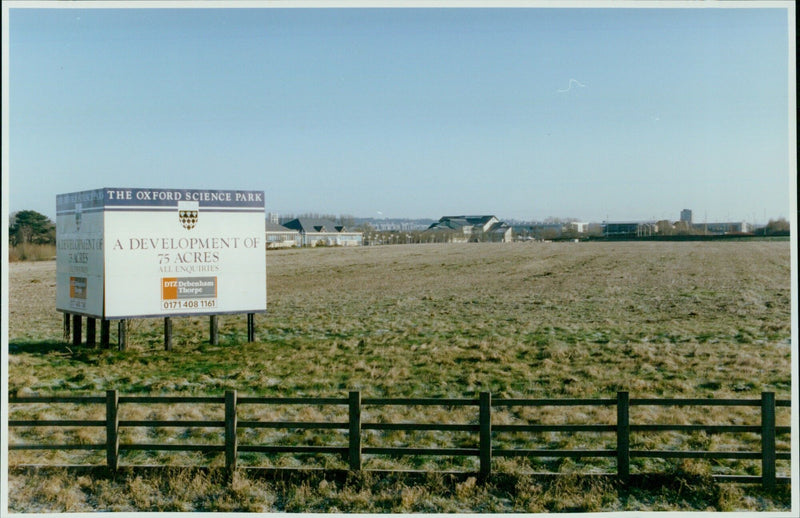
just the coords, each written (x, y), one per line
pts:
(170, 252)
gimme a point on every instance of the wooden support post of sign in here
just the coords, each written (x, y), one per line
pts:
(76, 330)
(214, 330)
(91, 331)
(66, 327)
(251, 327)
(122, 335)
(167, 333)
(105, 332)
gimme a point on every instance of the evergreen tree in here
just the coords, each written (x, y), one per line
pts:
(29, 226)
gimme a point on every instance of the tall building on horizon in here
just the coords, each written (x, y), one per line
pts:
(686, 215)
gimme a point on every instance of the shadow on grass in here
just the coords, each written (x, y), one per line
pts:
(38, 347)
(59, 349)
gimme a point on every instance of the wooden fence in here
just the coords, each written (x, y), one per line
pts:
(353, 452)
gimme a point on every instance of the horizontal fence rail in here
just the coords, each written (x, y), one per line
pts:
(353, 450)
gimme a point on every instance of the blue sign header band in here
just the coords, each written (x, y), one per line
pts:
(137, 197)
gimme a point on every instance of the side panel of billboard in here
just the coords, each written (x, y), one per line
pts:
(79, 253)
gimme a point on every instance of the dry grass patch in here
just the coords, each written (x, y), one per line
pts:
(189, 490)
(31, 252)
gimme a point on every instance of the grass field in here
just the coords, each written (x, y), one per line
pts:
(542, 320)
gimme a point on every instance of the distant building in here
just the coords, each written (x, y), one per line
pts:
(736, 227)
(473, 229)
(323, 232)
(630, 229)
(557, 229)
(595, 229)
(278, 236)
(579, 227)
(686, 216)
(406, 226)
(547, 230)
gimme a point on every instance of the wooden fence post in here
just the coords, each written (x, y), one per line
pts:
(623, 437)
(105, 332)
(485, 420)
(91, 332)
(213, 330)
(66, 327)
(230, 430)
(167, 333)
(112, 429)
(122, 334)
(251, 327)
(354, 451)
(76, 330)
(768, 457)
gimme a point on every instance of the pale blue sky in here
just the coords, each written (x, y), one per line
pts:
(410, 112)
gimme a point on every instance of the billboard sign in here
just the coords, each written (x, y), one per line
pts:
(131, 252)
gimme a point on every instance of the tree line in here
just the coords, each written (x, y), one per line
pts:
(30, 227)
(777, 227)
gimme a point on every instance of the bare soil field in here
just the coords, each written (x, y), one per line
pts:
(543, 320)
